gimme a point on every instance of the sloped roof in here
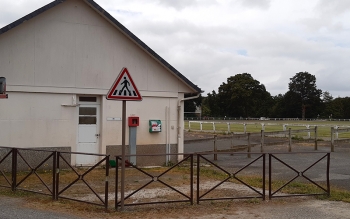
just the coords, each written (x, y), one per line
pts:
(117, 24)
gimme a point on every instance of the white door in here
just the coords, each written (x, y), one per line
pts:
(88, 134)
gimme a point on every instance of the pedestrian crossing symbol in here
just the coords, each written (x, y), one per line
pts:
(124, 88)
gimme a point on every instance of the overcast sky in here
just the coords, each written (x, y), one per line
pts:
(211, 40)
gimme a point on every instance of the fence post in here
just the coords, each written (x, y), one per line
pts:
(284, 129)
(336, 132)
(201, 125)
(290, 140)
(245, 128)
(249, 149)
(308, 133)
(231, 142)
(198, 173)
(228, 127)
(215, 148)
(57, 172)
(332, 139)
(189, 125)
(14, 169)
(316, 138)
(262, 141)
(214, 126)
(54, 169)
(106, 182)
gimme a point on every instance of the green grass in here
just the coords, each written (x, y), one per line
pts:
(323, 130)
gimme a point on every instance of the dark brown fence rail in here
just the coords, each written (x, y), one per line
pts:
(201, 195)
(298, 174)
(154, 178)
(26, 157)
(7, 168)
(50, 169)
(36, 164)
(80, 179)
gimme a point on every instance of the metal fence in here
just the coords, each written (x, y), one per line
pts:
(224, 171)
(46, 169)
(216, 179)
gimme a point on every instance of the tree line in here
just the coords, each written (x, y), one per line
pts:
(244, 96)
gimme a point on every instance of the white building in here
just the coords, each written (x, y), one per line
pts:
(59, 63)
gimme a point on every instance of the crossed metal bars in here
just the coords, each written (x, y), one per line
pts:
(58, 158)
(298, 174)
(201, 195)
(15, 154)
(157, 178)
(261, 194)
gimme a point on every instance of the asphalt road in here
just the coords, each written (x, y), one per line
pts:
(14, 208)
(300, 160)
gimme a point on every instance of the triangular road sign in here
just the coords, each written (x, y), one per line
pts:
(124, 88)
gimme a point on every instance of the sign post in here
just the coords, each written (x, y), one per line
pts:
(123, 89)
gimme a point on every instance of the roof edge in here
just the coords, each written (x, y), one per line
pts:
(115, 22)
(142, 44)
(30, 16)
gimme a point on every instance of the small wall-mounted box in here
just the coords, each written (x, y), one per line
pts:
(133, 121)
(155, 126)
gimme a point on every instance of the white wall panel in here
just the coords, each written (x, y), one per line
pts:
(72, 46)
(37, 120)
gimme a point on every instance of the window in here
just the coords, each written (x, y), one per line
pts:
(87, 115)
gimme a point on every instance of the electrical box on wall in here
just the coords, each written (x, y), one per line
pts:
(155, 126)
(133, 121)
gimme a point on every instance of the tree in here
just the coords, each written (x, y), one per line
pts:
(211, 104)
(277, 109)
(191, 105)
(328, 105)
(304, 85)
(242, 95)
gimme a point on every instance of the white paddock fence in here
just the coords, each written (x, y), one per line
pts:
(217, 127)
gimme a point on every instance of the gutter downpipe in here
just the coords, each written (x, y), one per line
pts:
(180, 144)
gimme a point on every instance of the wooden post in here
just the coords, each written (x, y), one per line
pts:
(245, 128)
(215, 148)
(315, 138)
(290, 140)
(336, 132)
(332, 139)
(285, 130)
(262, 141)
(228, 128)
(249, 148)
(232, 142)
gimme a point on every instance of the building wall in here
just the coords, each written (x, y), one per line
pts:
(50, 120)
(71, 50)
(37, 120)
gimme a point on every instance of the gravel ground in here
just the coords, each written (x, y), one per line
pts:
(296, 207)
(14, 208)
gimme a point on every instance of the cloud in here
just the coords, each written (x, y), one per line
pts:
(11, 11)
(261, 4)
(211, 40)
(182, 4)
